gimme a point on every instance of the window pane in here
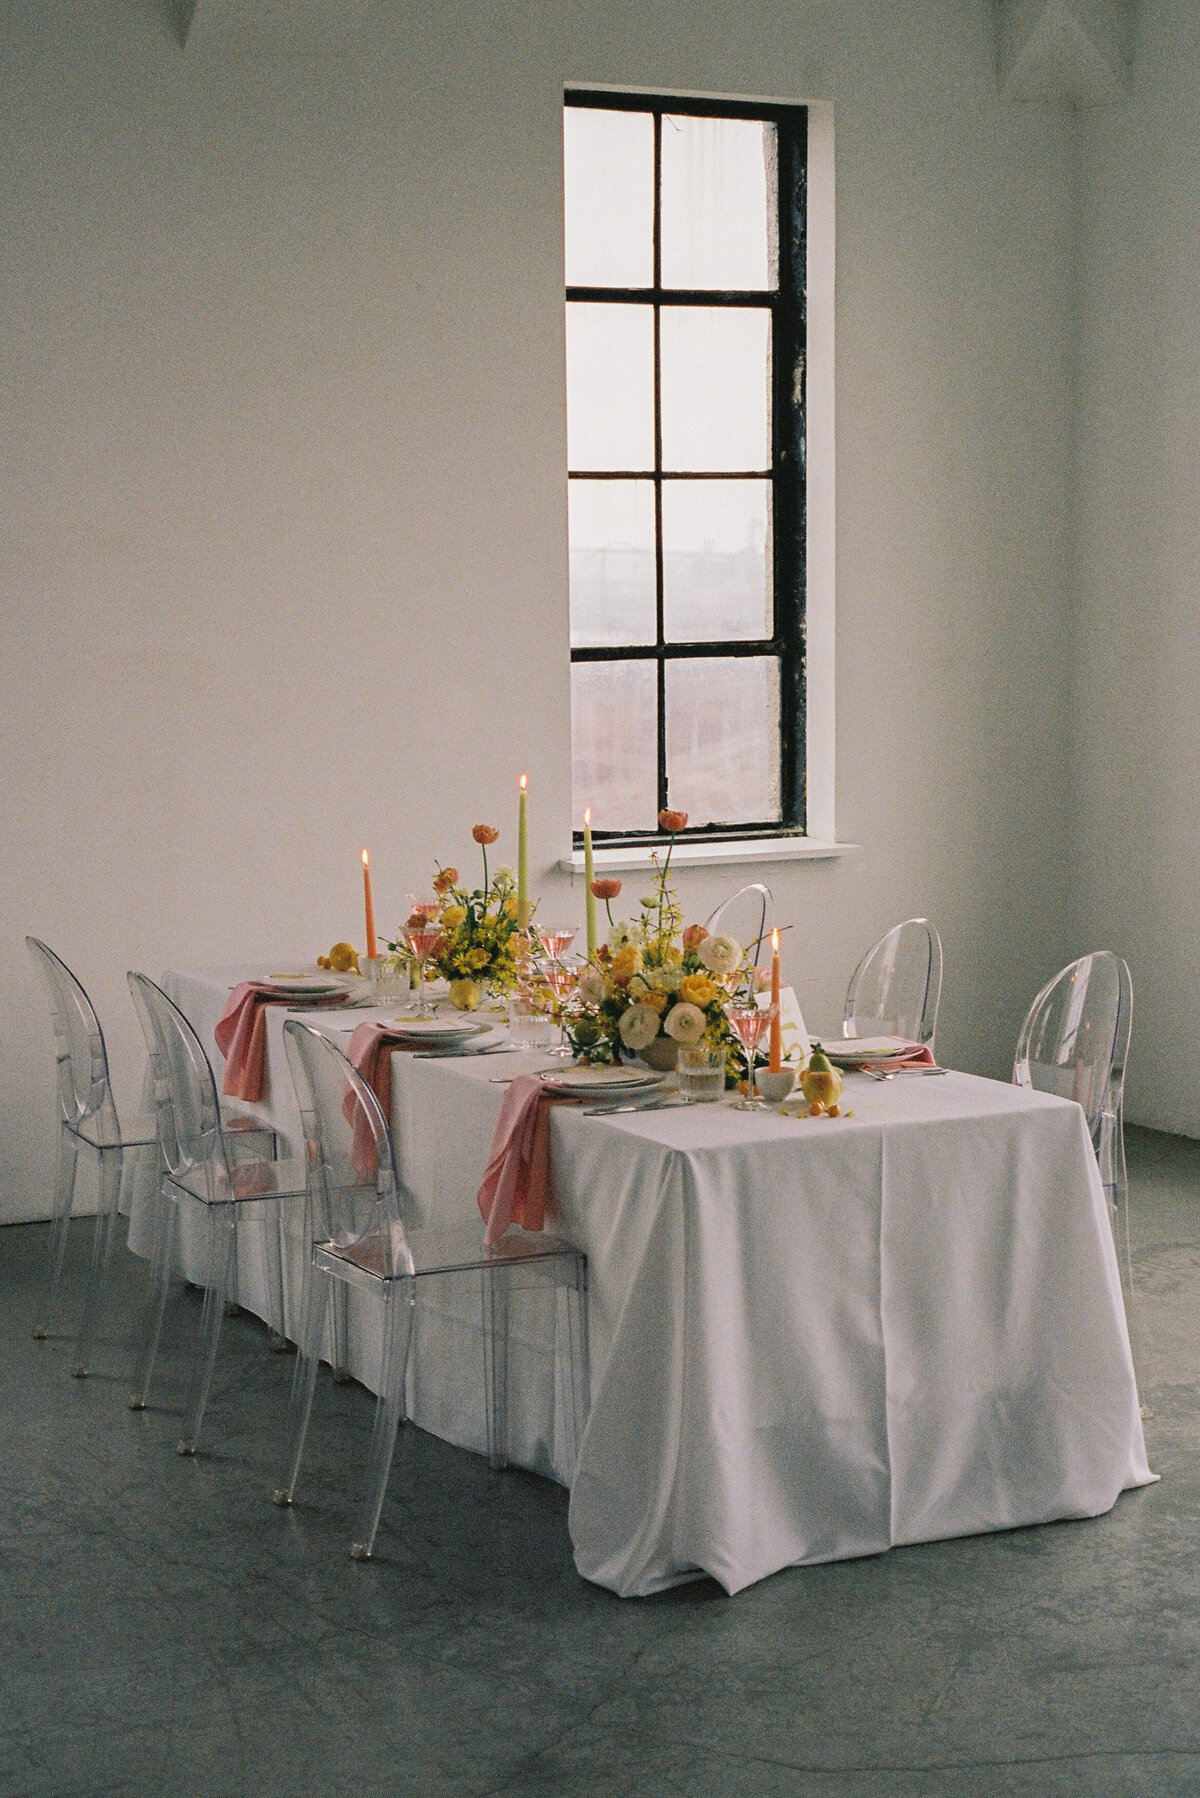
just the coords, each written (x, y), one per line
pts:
(719, 222)
(614, 739)
(608, 162)
(718, 577)
(610, 386)
(716, 388)
(612, 562)
(723, 739)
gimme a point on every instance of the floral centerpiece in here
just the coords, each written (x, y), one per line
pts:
(478, 940)
(657, 985)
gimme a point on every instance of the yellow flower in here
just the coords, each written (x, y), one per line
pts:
(477, 958)
(654, 999)
(453, 916)
(674, 954)
(697, 989)
(626, 962)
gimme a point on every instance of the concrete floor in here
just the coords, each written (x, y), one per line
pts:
(164, 1630)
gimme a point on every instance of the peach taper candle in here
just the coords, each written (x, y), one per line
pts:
(372, 945)
(775, 1064)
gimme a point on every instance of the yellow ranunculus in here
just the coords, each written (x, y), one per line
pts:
(654, 999)
(453, 916)
(477, 958)
(626, 962)
(697, 989)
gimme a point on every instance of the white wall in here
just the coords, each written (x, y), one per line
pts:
(1138, 577)
(283, 556)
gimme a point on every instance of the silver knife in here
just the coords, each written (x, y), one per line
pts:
(603, 1111)
(460, 1054)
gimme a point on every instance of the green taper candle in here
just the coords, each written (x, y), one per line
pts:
(589, 874)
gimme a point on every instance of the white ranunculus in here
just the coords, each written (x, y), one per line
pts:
(685, 1022)
(667, 978)
(639, 1027)
(720, 954)
(591, 987)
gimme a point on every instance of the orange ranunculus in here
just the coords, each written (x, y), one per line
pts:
(606, 889)
(693, 936)
(444, 879)
(672, 822)
(485, 833)
(697, 989)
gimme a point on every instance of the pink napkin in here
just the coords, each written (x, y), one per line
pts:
(370, 1052)
(913, 1055)
(516, 1181)
(241, 1036)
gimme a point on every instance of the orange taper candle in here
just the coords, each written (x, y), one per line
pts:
(372, 946)
(775, 1063)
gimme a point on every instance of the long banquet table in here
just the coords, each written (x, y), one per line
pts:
(811, 1339)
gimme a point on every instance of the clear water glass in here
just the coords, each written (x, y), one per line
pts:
(701, 1073)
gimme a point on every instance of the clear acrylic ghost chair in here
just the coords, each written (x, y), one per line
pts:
(87, 1120)
(897, 986)
(207, 1164)
(747, 916)
(362, 1241)
(1075, 1042)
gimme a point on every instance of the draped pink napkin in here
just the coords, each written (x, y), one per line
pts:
(241, 1036)
(516, 1182)
(913, 1055)
(370, 1052)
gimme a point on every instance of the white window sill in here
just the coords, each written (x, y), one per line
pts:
(715, 855)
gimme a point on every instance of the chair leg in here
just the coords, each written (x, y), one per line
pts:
(156, 1298)
(304, 1380)
(64, 1193)
(581, 1364)
(495, 1363)
(112, 1162)
(397, 1328)
(272, 1228)
(222, 1233)
(339, 1332)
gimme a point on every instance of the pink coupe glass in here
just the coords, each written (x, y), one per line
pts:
(423, 943)
(556, 939)
(562, 981)
(750, 1024)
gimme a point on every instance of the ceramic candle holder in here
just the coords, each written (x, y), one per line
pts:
(775, 1087)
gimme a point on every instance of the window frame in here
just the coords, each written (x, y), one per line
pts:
(786, 305)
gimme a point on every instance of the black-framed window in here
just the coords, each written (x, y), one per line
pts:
(685, 253)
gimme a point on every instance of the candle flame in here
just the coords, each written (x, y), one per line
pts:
(366, 859)
(524, 782)
(587, 814)
(775, 941)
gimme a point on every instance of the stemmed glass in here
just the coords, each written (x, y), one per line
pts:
(750, 1024)
(422, 941)
(556, 939)
(561, 981)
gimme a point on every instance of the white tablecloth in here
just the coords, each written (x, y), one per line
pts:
(810, 1339)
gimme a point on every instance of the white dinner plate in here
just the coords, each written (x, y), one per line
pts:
(436, 1030)
(869, 1048)
(306, 983)
(574, 1080)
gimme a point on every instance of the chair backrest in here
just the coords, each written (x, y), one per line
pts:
(348, 1149)
(897, 986)
(1075, 1040)
(186, 1104)
(83, 1082)
(747, 916)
